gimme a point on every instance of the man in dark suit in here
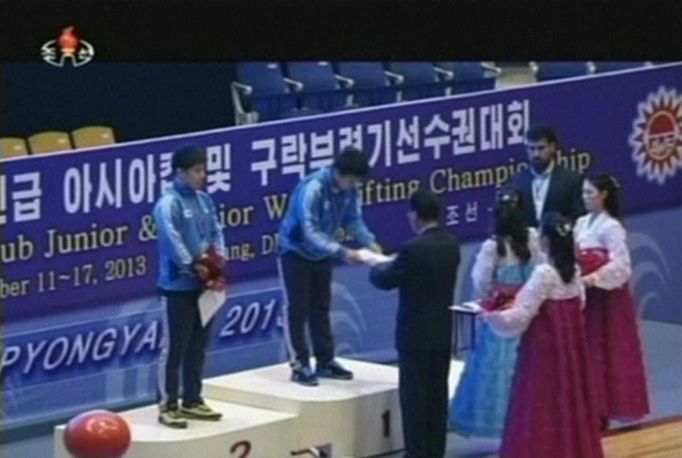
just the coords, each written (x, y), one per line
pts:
(425, 271)
(546, 186)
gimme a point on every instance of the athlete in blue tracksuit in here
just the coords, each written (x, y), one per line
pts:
(187, 226)
(323, 210)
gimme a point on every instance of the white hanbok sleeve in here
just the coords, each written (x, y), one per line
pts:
(514, 321)
(484, 267)
(617, 271)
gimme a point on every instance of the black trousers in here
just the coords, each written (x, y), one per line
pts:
(307, 299)
(423, 380)
(185, 342)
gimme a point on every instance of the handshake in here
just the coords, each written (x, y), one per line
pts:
(210, 268)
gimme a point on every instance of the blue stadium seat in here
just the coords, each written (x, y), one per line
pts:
(420, 79)
(322, 89)
(607, 66)
(262, 88)
(371, 84)
(547, 71)
(471, 76)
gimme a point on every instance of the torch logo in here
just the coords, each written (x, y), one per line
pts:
(67, 48)
(656, 139)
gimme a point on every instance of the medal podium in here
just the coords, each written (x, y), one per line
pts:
(265, 415)
(359, 417)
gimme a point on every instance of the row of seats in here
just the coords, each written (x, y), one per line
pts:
(266, 91)
(548, 71)
(54, 141)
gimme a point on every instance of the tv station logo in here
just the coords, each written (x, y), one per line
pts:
(68, 49)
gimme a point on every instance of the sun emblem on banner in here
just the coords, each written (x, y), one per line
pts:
(657, 136)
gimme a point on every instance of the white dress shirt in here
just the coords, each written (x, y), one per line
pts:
(539, 188)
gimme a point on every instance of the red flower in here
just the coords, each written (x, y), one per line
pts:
(211, 270)
(500, 297)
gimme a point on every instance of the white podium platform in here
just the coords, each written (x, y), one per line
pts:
(358, 418)
(243, 432)
(265, 415)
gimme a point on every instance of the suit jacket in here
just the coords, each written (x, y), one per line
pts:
(564, 194)
(425, 271)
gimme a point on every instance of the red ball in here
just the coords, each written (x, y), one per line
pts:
(97, 434)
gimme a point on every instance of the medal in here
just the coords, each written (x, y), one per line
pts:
(340, 234)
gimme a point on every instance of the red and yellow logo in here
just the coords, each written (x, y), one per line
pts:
(68, 48)
(656, 139)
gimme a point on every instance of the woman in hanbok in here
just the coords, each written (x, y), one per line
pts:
(612, 333)
(552, 411)
(503, 263)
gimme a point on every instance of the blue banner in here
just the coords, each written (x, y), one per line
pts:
(76, 350)
(78, 230)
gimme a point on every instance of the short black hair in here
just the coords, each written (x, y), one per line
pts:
(542, 132)
(426, 204)
(353, 162)
(188, 156)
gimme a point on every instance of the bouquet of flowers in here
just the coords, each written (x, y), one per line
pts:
(500, 297)
(211, 270)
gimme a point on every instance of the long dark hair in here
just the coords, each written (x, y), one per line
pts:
(559, 231)
(509, 225)
(606, 182)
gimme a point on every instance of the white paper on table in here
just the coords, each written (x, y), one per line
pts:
(209, 303)
(372, 258)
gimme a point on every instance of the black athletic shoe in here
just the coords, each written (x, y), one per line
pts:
(303, 375)
(333, 370)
